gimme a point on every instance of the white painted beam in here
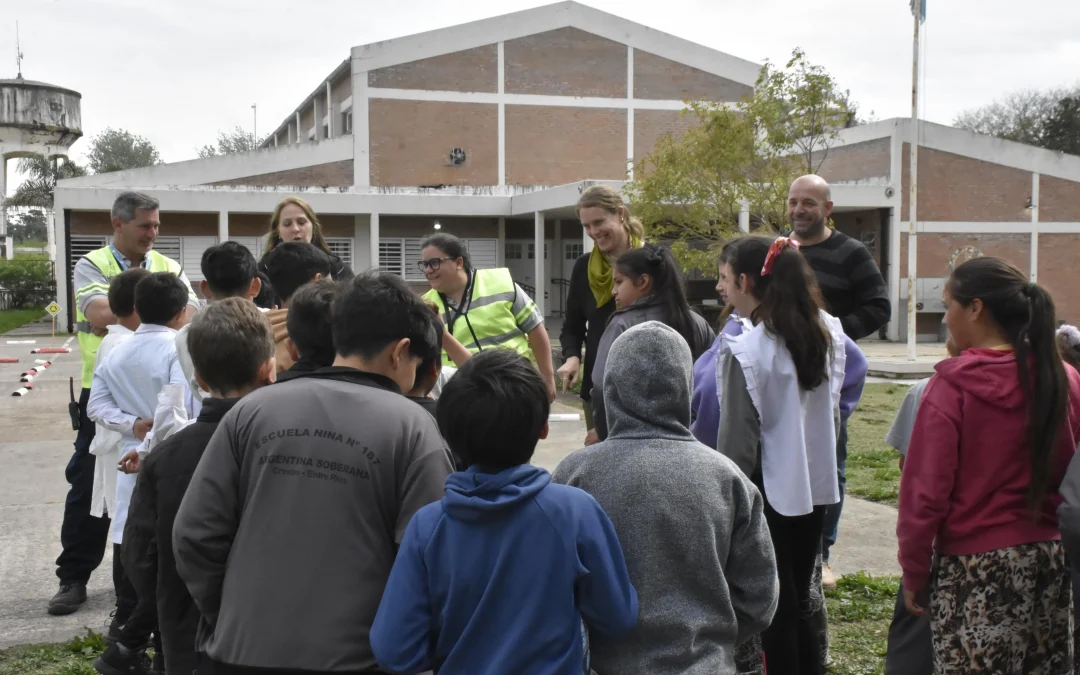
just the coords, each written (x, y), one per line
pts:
(373, 233)
(539, 277)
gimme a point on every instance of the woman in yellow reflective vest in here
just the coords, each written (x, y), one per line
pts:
(484, 309)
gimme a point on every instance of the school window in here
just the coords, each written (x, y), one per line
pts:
(574, 251)
(391, 257)
(513, 251)
(326, 131)
(346, 122)
(532, 251)
(342, 247)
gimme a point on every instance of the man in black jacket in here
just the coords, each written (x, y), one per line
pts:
(233, 353)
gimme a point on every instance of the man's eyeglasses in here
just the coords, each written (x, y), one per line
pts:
(432, 263)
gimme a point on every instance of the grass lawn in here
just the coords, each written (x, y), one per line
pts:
(68, 658)
(11, 319)
(873, 472)
(859, 613)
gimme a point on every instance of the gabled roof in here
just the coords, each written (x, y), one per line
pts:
(567, 14)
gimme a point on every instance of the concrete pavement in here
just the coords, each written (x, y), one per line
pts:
(36, 443)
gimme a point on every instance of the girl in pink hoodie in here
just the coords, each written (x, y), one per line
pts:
(980, 488)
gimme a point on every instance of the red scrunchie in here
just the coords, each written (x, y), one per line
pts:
(777, 246)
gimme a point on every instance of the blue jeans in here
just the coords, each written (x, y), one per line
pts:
(831, 526)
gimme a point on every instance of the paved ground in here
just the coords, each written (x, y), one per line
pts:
(36, 443)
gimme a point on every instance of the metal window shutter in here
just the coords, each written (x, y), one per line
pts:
(81, 245)
(414, 254)
(193, 249)
(484, 253)
(170, 247)
(390, 256)
(342, 247)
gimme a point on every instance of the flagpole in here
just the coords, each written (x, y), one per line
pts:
(912, 302)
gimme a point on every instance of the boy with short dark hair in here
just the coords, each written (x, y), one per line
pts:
(498, 576)
(123, 398)
(233, 352)
(334, 464)
(291, 265)
(310, 342)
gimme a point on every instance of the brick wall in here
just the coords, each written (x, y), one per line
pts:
(547, 145)
(1059, 200)
(565, 62)
(936, 250)
(422, 226)
(1057, 272)
(953, 188)
(651, 125)
(333, 174)
(663, 79)
(411, 142)
(470, 70)
(173, 224)
(857, 161)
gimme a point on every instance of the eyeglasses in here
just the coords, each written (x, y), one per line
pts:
(433, 264)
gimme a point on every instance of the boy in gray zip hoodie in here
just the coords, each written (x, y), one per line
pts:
(691, 524)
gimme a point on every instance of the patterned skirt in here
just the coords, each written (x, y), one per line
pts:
(1007, 612)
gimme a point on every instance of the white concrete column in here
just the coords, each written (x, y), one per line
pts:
(361, 243)
(500, 88)
(557, 254)
(630, 113)
(538, 274)
(1034, 227)
(222, 226)
(744, 216)
(8, 241)
(373, 233)
(361, 128)
(56, 225)
(299, 132)
(329, 110)
(500, 254)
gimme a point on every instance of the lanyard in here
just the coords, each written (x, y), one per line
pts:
(462, 311)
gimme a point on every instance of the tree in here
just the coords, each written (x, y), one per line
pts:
(689, 190)
(231, 142)
(117, 149)
(1021, 116)
(40, 183)
(28, 224)
(1061, 131)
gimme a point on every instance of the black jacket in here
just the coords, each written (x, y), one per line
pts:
(581, 309)
(300, 368)
(147, 548)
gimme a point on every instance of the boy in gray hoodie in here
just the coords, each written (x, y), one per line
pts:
(691, 524)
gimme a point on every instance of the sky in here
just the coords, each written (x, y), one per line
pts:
(180, 71)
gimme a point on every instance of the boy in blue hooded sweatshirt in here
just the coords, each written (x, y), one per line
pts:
(498, 576)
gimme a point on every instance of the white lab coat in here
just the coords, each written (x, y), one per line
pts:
(106, 444)
(125, 388)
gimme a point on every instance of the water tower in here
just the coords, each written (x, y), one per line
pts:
(35, 119)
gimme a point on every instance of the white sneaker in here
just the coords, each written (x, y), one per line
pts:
(828, 578)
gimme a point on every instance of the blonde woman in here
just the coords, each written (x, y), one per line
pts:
(590, 301)
(294, 220)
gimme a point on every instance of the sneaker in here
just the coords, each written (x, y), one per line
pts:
(68, 598)
(828, 578)
(119, 660)
(116, 624)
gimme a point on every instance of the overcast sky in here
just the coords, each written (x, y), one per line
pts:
(178, 71)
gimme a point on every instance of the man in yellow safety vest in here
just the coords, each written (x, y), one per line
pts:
(83, 537)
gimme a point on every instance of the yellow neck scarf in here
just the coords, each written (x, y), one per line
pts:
(600, 278)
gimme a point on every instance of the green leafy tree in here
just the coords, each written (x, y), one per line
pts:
(28, 225)
(231, 142)
(39, 184)
(1024, 117)
(689, 190)
(1062, 129)
(117, 149)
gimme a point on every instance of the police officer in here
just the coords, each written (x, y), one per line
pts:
(83, 537)
(483, 309)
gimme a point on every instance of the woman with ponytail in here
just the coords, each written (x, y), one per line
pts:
(779, 388)
(647, 287)
(994, 434)
(590, 299)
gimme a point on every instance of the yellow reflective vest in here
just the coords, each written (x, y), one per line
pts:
(104, 260)
(489, 320)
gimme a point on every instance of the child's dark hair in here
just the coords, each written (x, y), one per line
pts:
(453, 247)
(310, 323)
(790, 305)
(266, 298)
(229, 341)
(374, 309)
(427, 373)
(122, 291)
(228, 269)
(667, 287)
(492, 411)
(724, 259)
(292, 264)
(159, 297)
(1024, 312)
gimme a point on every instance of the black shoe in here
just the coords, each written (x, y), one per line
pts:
(116, 624)
(68, 598)
(119, 660)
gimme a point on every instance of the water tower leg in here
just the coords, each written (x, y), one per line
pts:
(8, 244)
